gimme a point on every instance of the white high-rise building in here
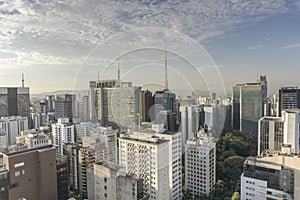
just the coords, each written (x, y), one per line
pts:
(13, 125)
(62, 132)
(291, 129)
(33, 138)
(200, 165)
(104, 142)
(192, 117)
(274, 132)
(83, 129)
(155, 159)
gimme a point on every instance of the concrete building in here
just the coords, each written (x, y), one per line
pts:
(71, 151)
(14, 102)
(247, 107)
(200, 165)
(83, 129)
(274, 132)
(83, 108)
(86, 160)
(111, 182)
(273, 177)
(32, 174)
(164, 100)
(289, 98)
(65, 106)
(62, 132)
(118, 106)
(147, 102)
(192, 119)
(13, 125)
(270, 135)
(149, 157)
(33, 138)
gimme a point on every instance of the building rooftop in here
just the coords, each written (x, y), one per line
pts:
(43, 148)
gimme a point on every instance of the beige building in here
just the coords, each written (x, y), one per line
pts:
(111, 182)
(32, 174)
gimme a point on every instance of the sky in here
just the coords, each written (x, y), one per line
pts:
(63, 44)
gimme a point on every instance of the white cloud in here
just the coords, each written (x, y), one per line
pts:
(291, 46)
(255, 47)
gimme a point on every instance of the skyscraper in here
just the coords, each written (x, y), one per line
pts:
(14, 102)
(13, 125)
(192, 119)
(164, 100)
(147, 102)
(289, 97)
(65, 106)
(118, 106)
(62, 132)
(247, 107)
(200, 165)
(156, 159)
(270, 134)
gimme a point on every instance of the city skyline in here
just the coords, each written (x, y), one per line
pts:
(50, 41)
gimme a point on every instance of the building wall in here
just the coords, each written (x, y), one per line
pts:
(32, 173)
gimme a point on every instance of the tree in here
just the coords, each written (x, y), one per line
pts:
(236, 196)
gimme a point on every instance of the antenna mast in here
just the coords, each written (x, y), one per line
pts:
(166, 71)
(119, 83)
(22, 80)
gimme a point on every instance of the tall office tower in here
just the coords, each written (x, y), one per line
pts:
(86, 160)
(83, 129)
(164, 100)
(291, 129)
(200, 165)
(270, 135)
(247, 107)
(13, 126)
(14, 102)
(147, 102)
(32, 174)
(104, 142)
(192, 118)
(33, 138)
(112, 182)
(71, 151)
(83, 108)
(62, 132)
(62, 177)
(273, 177)
(289, 97)
(264, 83)
(119, 106)
(149, 158)
(50, 103)
(93, 106)
(276, 132)
(65, 106)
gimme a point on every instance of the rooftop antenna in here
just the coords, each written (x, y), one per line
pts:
(22, 80)
(119, 83)
(166, 71)
(98, 76)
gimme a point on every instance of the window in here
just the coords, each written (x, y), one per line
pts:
(105, 195)
(105, 180)
(20, 164)
(17, 173)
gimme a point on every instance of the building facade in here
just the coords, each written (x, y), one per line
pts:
(62, 132)
(32, 174)
(200, 166)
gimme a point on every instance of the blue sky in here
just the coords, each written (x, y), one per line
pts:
(63, 44)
